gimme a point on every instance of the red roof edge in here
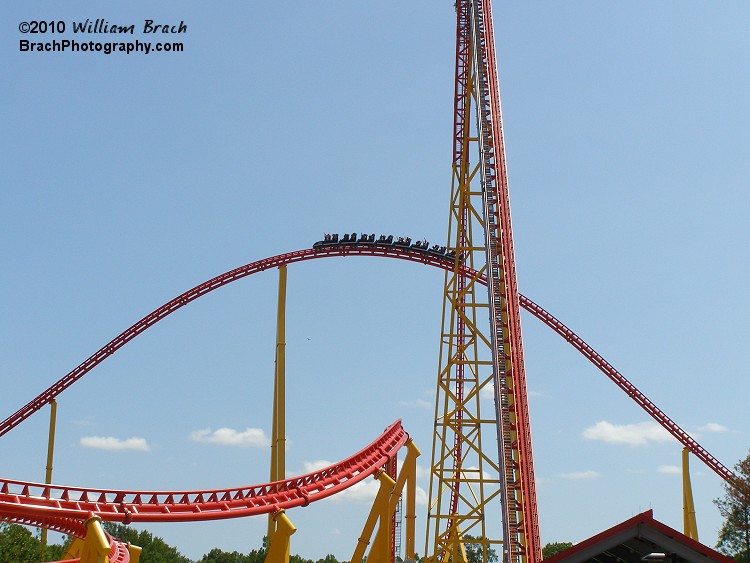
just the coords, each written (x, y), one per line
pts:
(642, 518)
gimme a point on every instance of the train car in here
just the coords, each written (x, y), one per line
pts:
(328, 240)
(364, 239)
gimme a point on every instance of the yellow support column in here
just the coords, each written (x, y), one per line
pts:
(379, 508)
(457, 546)
(74, 549)
(688, 508)
(278, 551)
(383, 508)
(48, 472)
(94, 548)
(410, 467)
(407, 476)
(278, 426)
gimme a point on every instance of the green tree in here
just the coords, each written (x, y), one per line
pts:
(734, 507)
(55, 551)
(473, 547)
(17, 544)
(555, 547)
(155, 549)
(216, 555)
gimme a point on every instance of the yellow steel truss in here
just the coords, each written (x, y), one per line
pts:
(465, 480)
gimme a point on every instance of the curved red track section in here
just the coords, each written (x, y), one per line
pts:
(154, 505)
(403, 253)
(66, 508)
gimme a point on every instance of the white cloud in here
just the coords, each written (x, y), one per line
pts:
(363, 492)
(88, 421)
(335, 532)
(249, 438)
(487, 392)
(581, 475)
(542, 481)
(423, 472)
(669, 469)
(420, 498)
(366, 490)
(115, 444)
(472, 472)
(632, 434)
(713, 427)
(317, 465)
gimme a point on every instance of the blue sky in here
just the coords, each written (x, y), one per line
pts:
(127, 179)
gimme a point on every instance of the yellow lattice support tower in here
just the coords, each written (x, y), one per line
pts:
(461, 487)
(481, 483)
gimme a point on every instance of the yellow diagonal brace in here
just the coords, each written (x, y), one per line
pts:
(135, 553)
(379, 508)
(691, 525)
(94, 548)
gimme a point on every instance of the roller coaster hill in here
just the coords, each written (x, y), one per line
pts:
(79, 511)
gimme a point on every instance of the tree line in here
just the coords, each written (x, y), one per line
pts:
(19, 545)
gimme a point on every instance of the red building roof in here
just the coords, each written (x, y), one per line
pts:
(635, 538)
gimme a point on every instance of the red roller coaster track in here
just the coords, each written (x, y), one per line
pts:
(65, 508)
